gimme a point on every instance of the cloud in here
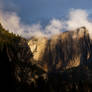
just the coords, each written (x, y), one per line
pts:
(76, 18)
(54, 27)
(11, 21)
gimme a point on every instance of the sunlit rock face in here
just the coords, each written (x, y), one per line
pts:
(63, 51)
(38, 46)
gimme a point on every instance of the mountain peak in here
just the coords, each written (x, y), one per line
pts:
(80, 33)
(65, 49)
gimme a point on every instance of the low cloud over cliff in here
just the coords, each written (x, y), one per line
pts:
(76, 18)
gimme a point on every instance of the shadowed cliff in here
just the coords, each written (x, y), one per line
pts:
(62, 63)
(64, 51)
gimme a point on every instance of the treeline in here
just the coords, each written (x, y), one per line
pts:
(7, 38)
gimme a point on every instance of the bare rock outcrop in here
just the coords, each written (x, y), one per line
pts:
(63, 51)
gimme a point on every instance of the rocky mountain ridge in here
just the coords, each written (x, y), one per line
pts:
(61, 63)
(63, 51)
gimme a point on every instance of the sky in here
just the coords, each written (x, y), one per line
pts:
(44, 15)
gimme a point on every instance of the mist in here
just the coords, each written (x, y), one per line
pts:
(76, 18)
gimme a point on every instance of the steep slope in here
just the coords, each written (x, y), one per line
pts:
(7, 46)
(67, 50)
(15, 47)
(16, 68)
(62, 63)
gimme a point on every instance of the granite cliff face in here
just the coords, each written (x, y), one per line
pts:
(63, 51)
(62, 62)
(16, 67)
